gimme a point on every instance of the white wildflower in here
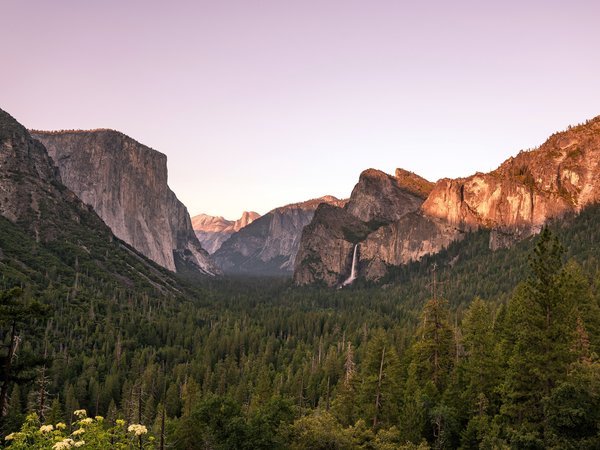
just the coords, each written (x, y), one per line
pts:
(64, 444)
(86, 421)
(12, 436)
(137, 429)
(46, 428)
(80, 413)
(79, 443)
(78, 432)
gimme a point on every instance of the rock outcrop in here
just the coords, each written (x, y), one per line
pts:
(125, 182)
(370, 219)
(327, 246)
(379, 197)
(212, 231)
(395, 220)
(268, 245)
(405, 240)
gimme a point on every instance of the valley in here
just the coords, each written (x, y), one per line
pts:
(410, 315)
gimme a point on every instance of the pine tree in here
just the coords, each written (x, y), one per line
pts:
(572, 410)
(344, 405)
(541, 320)
(71, 403)
(480, 370)
(433, 353)
(379, 393)
(432, 358)
(481, 362)
(576, 290)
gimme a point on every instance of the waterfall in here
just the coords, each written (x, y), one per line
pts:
(353, 275)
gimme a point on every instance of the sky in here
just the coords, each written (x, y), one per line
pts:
(258, 104)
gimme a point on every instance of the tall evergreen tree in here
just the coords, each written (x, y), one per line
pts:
(379, 391)
(480, 370)
(540, 317)
(432, 358)
(481, 361)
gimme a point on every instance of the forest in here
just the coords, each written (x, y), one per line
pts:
(465, 349)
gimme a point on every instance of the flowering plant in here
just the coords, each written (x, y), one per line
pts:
(85, 433)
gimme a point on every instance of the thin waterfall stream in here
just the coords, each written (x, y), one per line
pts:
(353, 273)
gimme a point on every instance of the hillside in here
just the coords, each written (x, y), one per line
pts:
(268, 246)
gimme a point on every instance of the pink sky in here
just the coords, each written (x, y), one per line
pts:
(263, 103)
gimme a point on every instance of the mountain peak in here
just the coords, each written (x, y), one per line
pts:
(218, 224)
(205, 222)
(381, 197)
(247, 218)
(56, 230)
(212, 231)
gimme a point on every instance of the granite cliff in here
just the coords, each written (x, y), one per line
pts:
(125, 182)
(268, 245)
(212, 231)
(379, 203)
(516, 199)
(58, 236)
(395, 220)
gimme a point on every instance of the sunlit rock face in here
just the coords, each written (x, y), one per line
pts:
(516, 199)
(268, 246)
(496, 202)
(125, 182)
(212, 231)
(400, 219)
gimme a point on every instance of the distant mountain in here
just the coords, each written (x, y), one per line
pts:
(268, 245)
(401, 218)
(49, 239)
(125, 182)
(212, 231)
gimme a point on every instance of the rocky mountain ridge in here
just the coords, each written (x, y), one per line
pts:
(393, 223)
(125, 182)
(268, 245)
(212, 231)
